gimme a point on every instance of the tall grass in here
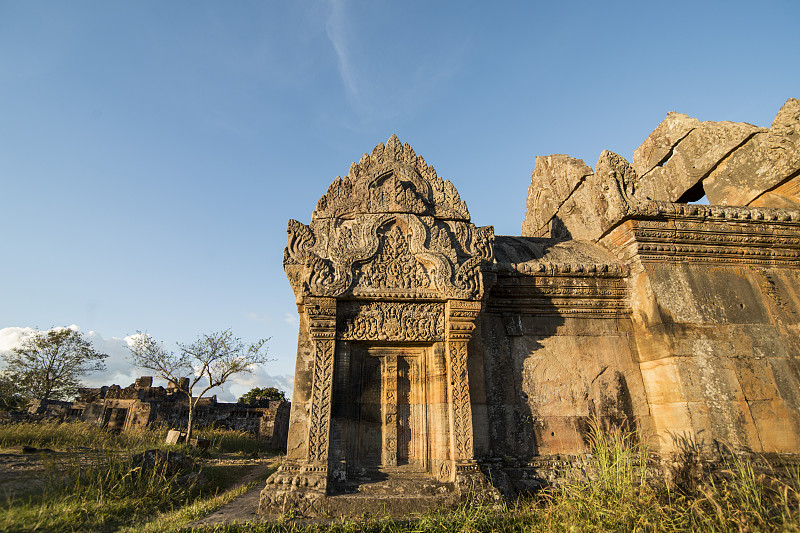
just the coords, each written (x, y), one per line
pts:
(232, 440)
(619, 492)
(97, 486)
(92, 493)
(76, 435)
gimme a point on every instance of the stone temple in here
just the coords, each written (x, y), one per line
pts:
(436, 359)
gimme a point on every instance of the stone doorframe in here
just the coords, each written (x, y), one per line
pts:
(321, 320)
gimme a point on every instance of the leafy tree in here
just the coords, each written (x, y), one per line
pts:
(214, 357)
(270, 393)
(47, 364)
(11, 398)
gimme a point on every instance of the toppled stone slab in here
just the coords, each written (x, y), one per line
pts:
(658, 147)
(693, 158)
(732, 163)
(764, 171)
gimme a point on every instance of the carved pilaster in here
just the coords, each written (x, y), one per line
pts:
(461, 317)
(299, 485)
(321, 314)
(389, 409)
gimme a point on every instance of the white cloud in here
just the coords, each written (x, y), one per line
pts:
(337, 33)
(291, 319)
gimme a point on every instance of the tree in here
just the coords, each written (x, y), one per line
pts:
(10, 397)
(270, 393)
(214, 357)
(47, 364)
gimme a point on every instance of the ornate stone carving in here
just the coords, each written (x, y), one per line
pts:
(322, 325)
(391, 321)
(461, 321)
(392, 179)
(665, 232)
(462, 411)
(391, 229)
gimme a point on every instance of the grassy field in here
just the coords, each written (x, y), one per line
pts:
(91, 482)
(106, 494)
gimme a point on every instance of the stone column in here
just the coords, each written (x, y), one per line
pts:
(300, 483)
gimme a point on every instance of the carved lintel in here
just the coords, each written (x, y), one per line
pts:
(390, 321)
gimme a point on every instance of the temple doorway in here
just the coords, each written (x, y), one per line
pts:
(391, 426)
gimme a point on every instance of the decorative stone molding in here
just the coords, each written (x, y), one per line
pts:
(709, 234)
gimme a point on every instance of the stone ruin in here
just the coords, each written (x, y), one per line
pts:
(141, 404)
(437, 356)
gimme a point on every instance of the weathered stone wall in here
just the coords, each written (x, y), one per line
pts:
(713, 301)
(715, 314)
(556, 349)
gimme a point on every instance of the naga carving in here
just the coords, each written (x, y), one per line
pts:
(392, 229)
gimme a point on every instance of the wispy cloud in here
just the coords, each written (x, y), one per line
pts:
(336, 29)
(386, 78)
(259, 317)
(291, 319)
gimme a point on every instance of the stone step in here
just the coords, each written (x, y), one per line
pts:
(403, 484)
(394, 505)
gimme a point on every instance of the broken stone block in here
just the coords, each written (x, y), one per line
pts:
(693, 158)
(175, 436)
(657, 148)
(764, 171)
(555, 177)
(599, 202)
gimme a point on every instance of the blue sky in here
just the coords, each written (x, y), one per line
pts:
(151, 153)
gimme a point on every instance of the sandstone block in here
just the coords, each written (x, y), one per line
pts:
(693, 158)
(756, 172)
(657, 148)
(600, 202)
(554, 179)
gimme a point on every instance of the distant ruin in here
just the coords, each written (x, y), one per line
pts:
(140, 405)
(433, 353)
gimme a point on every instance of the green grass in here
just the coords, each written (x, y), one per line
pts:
(231, 441)
(99, 488)
(618, 493)
(77, 435)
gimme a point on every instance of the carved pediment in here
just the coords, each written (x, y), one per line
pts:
(392, 179)
(392, 229)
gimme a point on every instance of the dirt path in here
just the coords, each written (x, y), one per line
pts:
(244, 508)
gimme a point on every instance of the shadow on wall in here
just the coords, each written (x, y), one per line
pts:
(555, 351)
